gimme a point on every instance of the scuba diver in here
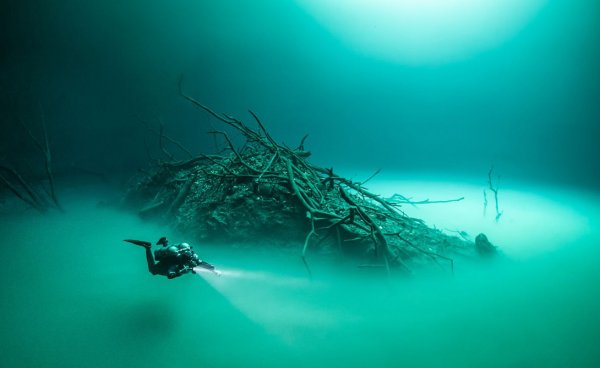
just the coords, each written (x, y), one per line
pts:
(172, 260)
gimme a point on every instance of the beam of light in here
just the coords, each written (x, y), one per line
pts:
(202, 270)
(257, 277)
(422, 31)
(283, 305)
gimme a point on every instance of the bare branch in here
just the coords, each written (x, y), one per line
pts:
(48, 162)
(495, 191)
(371, 177)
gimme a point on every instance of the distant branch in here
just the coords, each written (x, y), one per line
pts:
(400, 199)
(44, 148)
(161, 134)
(494, 190)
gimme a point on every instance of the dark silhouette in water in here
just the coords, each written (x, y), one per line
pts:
(484, 247)
(172, 260)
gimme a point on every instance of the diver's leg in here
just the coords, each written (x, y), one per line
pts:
(150, 260)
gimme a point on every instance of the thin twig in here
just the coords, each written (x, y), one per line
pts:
(33, 199)
(306, 242)
(235, 152)
(403, 200)
(371, 177)
(45, 149)
(176, 143)
(161, 134)
(495, 191)
(380, 241)
(301, 145)
(48, 161)
(18, 194)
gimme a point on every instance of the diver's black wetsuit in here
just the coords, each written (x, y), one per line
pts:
(172, 260)
(171, 270)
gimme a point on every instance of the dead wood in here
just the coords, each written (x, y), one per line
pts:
(267, 192)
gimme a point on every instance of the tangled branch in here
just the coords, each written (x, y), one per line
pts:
(207, 190)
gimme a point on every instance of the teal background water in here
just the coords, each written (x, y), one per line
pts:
(526, 103)
(73, 295)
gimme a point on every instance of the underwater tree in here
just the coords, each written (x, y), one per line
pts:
(265, 190)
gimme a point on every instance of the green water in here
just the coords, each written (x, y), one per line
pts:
(75, 295)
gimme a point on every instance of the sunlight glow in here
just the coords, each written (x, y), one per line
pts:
(422, 31)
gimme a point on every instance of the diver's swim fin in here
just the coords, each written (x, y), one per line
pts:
(139, 242)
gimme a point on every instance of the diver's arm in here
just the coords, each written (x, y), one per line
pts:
(173, 273)
(177, 270)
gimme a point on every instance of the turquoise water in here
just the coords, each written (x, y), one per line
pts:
(75, 295)
(433, 92)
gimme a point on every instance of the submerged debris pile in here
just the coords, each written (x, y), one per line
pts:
(266, 190)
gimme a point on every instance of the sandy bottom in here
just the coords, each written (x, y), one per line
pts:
(72, 294)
